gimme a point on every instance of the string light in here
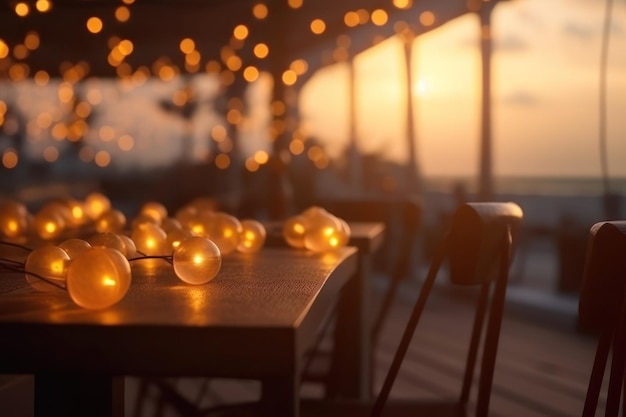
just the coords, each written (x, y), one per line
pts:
(316, 230)
(47, 268)
(73, 247)
(197, 260)
(98, 278)
(96, 271)
(251, 237)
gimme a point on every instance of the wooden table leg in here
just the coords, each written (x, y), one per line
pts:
(351, 370)
(280, 397)
(79, 395)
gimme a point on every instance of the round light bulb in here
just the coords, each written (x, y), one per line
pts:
(96, 204)
(224, 230)
(197, 260)
(59, 208)
(74, 247)
(13, 219)
(108, 240)
(322, 232)
(49, 262)
(142, 219)
(98, 278)
(186, 215)
(150, 239)
(176, 236)
(130, 249)
(111, 221)
(78, 217)
(48, 224)
(252, 236)
(169, 224)
(294, 229)
(155, 210)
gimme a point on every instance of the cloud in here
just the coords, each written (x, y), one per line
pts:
(579, 30)
(510, 43)
(520, 98)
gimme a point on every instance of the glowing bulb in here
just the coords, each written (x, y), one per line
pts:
(252, 236)
(294, 230)
(96, 204)
(150, 239)
(109, 240)
(322, 231)
(224, 230)
(130, 250)
(155, 210)
(169, 224)
(111, 221)
(78, 217)
(49, 262)
(142, 219)
(13, 219)
(74, 247)
(197, 260)
(98, 278)
(176, 236)
(48, 224)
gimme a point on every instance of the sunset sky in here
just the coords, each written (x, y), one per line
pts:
(545, 86)
(546, 69)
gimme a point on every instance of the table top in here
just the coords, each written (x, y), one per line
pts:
(259, 314)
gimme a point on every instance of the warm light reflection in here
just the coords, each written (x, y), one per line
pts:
(187, 45)
(318, 26)
(240, 32)
(299, 66)
(94, 24)
(379, 17)
(250, 74)
(43, 6)
(31, 41)
(10, 158)
(4, 49)
(403, 4)
(222, 161)
(22, 9)
(261, 50)
(289, 77)
(122, 14)
(295, 4)
(260, 11)
(427, 18)
(351, 19)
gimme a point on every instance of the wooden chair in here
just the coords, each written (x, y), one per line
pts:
(478, 248)
(602, 308)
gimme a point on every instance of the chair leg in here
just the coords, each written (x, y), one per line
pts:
(409, 330)
(597, 372)
(493, 330)
(618, 364)
(470, 364)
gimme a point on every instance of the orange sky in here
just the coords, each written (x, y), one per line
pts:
(545, 93)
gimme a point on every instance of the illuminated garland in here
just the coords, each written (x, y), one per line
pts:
(96, 271)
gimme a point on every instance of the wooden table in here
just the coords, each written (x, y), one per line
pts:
(255, 320)
(352, 357)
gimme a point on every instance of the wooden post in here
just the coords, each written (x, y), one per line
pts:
(485, 181)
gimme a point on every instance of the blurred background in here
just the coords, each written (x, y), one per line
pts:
(270, 106)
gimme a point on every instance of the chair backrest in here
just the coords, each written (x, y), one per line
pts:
(476, 233)
(604, 276)
(602, 308)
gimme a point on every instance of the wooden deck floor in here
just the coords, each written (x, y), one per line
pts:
(541, 370)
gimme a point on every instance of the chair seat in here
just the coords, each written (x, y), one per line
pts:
(393, 408)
